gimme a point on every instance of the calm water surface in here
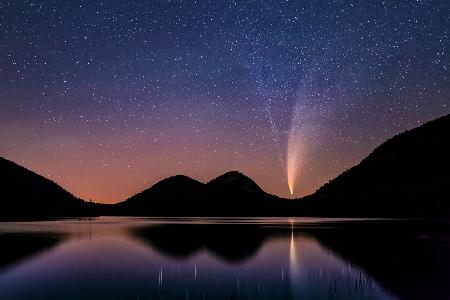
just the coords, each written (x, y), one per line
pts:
(160, 258)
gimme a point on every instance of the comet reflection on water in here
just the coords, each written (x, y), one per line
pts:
(112, 258)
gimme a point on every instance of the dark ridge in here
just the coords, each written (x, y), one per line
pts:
(407, 176)
(27, 195)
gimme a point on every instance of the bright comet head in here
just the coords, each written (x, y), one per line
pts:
(291, 189)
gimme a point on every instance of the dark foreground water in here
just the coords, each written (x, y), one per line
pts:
(268, 258)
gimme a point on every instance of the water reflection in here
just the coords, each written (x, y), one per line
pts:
(137, 258)
(16, 247)
(410, 259)
(233, 243)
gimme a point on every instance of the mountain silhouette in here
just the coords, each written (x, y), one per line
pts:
(27, 195)
(407, 176)
(235, 183)
(231, 194)
(170, 196)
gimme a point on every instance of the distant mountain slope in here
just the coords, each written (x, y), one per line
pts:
(407, 176)
(25, 194)
(231, 194)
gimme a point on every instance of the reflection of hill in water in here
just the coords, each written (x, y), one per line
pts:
(411, 260)
(16, 247)
(231, 242)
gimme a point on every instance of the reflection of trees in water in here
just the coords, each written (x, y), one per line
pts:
(353, 283)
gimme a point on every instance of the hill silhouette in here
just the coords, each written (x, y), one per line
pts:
(407, 176)
(170, 196)
(235, 183)
(231, 194)
(27, 195)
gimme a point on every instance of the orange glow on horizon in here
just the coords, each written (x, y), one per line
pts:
(109, 172)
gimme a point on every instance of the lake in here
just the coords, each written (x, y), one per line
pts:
(224, 258)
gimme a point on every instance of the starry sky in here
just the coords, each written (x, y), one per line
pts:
(108, 97)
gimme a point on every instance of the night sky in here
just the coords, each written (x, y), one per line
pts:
(107, 98)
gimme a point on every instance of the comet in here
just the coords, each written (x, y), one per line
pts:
(297, 140)
(295, 152)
